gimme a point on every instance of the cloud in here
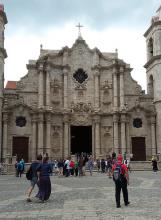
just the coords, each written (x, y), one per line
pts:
(98, 14)
(130, 44)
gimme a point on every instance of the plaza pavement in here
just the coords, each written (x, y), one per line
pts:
(83, 198)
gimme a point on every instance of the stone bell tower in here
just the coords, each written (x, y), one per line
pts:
(153, 69)
(3, 55)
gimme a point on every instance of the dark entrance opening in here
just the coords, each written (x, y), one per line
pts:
(20, 147)
(138, 148)
(81, 139)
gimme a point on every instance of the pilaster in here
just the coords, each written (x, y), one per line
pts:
(115, 91)
(5, 134)
(115, 130)
(65, 76)
(66, 136)
(48, 86)
(123, 133)
(40, 134)
(96, 88)
(122, 99)
(48, 134)
(33, 146)
(40, 88)
(153, 135)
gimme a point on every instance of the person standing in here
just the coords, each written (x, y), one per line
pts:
(44, 171)
(90, 165)
(34, 167)
(121, 179)
(154, 164)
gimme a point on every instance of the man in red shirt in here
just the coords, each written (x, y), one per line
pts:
(120, 170)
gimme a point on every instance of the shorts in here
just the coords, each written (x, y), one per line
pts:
(33, 181)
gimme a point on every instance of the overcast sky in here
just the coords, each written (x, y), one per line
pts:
(108, 24)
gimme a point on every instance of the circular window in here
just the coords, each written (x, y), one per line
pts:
(137, 123)
(20, 121)
(80, 75)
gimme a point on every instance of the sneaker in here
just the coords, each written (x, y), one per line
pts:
(28, 200)
(118, 206)
(126, 204)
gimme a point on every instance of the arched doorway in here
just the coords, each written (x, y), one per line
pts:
(138, 148)
(20, 147)
(81, 139)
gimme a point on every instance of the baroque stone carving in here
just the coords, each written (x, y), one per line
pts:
(81, 107)
(106, 85)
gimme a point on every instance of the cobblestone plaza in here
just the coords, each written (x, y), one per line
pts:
(87, 198)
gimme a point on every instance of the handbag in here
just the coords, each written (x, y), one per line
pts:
(29, 174)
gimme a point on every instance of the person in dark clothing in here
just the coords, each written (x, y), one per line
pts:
(103, 165)
(44, 183)
(154, 164)
(121, 183)
(34, 167)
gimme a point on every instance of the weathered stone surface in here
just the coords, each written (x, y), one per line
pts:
(86, 198)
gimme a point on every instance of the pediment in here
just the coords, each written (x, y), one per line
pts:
(19, 107)
(138, 108)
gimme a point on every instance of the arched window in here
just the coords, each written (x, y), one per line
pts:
(150, 48)
(151, 86)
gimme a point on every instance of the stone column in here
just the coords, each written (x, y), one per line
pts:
(40, 87)
(96, 89)
(128, 146)
(115, 135)
(153, 136)
(122, 99)
(97, 137)
(115, 90)
(40, 134)
(5, 134)
(48, 86)
(48, 134)
(66, 136)
(33, 147)
(65, 74)
(93, 140)
(123, 134)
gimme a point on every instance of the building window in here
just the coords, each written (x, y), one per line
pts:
(150, 48)
(20, 121)
(80, 75)
(137, 123)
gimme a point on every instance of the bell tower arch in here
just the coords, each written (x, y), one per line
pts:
(153, 69)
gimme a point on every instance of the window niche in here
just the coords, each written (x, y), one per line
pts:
(150, 48)
(20, 121)
(80, 75)
(137, 123)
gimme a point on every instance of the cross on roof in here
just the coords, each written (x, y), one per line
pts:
(79, 26)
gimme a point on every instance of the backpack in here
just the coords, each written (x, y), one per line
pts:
(117, 174)
(19, 167)
(29, 174)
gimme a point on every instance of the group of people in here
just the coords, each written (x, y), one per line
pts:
(41, 171)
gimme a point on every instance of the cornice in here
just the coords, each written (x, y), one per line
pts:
(154, 58)
(151, 27)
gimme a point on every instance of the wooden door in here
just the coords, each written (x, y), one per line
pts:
(138, 148)
(20, 147)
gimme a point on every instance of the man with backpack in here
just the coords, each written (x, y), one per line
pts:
(121, 179)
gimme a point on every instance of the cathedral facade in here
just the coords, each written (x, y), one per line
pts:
(80, 99)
